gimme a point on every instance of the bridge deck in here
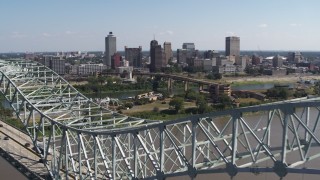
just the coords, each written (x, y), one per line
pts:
(16, 149)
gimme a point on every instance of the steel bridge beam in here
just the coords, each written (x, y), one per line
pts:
(82, 140)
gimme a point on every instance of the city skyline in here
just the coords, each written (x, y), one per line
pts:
(33, 26)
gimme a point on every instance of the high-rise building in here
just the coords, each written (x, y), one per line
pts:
(153, 45)
(167, 51)
(58, 66)
(116, 59)
(255, 60)
(157, 56)
(182, 55)
(190, 51)
(134, 56)
(233, 47)
(54, 63)
(111, 48)
(209, 54)
(295, 57)
(277, 61)
(188, 46)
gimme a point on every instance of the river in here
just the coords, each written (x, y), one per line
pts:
(7, 171)
(276, 138)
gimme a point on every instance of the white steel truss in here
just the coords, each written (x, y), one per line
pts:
(81, 140)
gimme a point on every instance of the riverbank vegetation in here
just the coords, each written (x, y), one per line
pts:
(188, 103)
(7, 116)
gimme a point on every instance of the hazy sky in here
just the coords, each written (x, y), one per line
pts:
(65, 25)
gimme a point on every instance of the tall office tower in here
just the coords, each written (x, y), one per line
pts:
(188, 46)
(157, 56)
(190, 50)
(182, 55)
(209, 54)
(54, 63)
(58, 66)
(233, 47)
(295, 57)
(111, 48)
(255, 60)
(134, 56)
(116, 59)
(153, 45)
(277, 61)
(167, 51)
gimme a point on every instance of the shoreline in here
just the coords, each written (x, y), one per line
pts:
(266, 79)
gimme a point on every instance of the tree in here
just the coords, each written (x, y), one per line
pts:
(217, 76)
(177, 104)
(278, 92)
(316, 88)
(155, 83)
(191, 94)
(156, 109)
(202, 104)
(128, 105)
(224, 102)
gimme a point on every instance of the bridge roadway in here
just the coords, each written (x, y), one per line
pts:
(27, 159)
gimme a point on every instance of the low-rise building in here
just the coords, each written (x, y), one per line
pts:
(217, 90)
(90, 69)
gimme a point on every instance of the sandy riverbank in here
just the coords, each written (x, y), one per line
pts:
(289, 78)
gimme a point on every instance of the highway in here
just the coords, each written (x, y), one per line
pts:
(23, 158)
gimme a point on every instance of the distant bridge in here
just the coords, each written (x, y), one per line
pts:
(175, 77)
(81, 140)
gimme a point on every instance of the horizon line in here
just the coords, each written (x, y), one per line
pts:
(148, 50)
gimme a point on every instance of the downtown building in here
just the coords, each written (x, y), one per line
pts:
(54, 63)
(182, 56)
(90, 69)
(168, 51)
(233, 47)
(110, 48)
(295, 57)
(116, 59)
(157, 57)
(188, 51)
(134, 56)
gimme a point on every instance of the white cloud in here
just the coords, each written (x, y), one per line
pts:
(295, 24)
(70, 32)
(263, 25)
(47, 34)
(17, 35)
(229, 33)
(168, 32)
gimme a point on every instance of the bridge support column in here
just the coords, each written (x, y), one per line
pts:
(160, 173)
(170, 86)
(280, 167)
(231, 167)
(200, 87)
(130, 75)
(307, 122)
(186, 86)
(192, 171)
